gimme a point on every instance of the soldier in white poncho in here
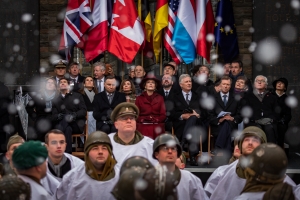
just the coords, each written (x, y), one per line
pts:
(59, 163)
(127, 141)
(228, 181)
(96, 177)
(166, 149)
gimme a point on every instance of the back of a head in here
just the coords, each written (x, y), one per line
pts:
(267, 163)
(136, 161)
(159, 185)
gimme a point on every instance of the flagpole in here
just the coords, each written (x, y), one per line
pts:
(142, 58)
(160, 60)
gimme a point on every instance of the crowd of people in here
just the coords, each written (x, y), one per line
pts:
(140, 131)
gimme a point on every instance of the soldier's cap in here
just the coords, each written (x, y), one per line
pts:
(15, 139)
(124, 109)
(13, 187)
(170, 65)
(252, 131)
(29, 154)
(60, 63)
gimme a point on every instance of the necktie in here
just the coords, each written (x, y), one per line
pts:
(109, 98)
(166, 93)
(225, 99)
(73, 79)
(187, 98)
(99, 85)
(261, 95)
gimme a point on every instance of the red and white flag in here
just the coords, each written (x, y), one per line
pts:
(205, 25)
(96, 39)
(77, 21)
(126, 33)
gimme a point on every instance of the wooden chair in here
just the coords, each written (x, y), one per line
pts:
(79, 151)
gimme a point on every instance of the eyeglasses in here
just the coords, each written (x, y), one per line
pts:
(260, 81)
(166, 149)
(125, 118)
(54, 142)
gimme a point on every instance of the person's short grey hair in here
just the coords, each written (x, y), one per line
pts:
(182, 76)
(100, 64)
(266, 79)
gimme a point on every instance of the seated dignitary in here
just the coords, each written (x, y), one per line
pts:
(167, 91)
(99, 71)
(60, 67)
(127, 141)
(109, 71)
(166, 149)
(95, 178)
(225, 116)
(170, 69)
(103, 104)
(151, 120)
(69, 112)
(265, 174)
(76, 80)
(88, 92)
(201, 79)
(127, 87)
(139, 72)
(59, 162)
(13, 142)
(29, 160)
(265, 108)
(236, 70)
(187, 115)
(39, 108)
(14, 188)
(280, 86)
(228, 181)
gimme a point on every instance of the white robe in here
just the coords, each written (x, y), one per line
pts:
(76, 184)
(51, 182)
(226, 184)
(190, 187)
(296, 190)
(143, 148)
(37, 190)
(250, 196)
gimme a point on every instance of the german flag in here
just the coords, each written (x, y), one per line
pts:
(161, 21)
(145, 16)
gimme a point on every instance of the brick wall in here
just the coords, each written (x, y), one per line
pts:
(51, 22)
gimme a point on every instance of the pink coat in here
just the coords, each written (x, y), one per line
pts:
(151, 121)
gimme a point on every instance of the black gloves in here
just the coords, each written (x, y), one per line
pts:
(60, 116)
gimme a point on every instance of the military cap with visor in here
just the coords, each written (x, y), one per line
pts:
(60, 63)
(168, 140)
(124, 109)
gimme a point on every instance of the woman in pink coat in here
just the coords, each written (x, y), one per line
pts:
(151, 121)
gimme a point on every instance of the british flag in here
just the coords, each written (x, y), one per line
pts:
(77, 21)
(173, 7)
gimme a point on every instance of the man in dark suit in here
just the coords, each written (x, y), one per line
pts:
(170, 69)
(76, 80)
(99, 78)
(187, 116)
(222, 125)
(200, 80)
(167, 91)
(265, 108)
(68, 112)
(104, 103)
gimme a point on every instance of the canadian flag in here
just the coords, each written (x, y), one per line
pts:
(126, 33)
(95, 41)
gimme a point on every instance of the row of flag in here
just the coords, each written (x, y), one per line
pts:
(185, 27)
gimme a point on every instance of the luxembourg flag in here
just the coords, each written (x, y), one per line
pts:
(184, 35)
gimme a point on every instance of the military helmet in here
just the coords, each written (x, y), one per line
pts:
(166, 139)
(252, 131)
(267, 162)
(124, 188)
(96, 138)
(136, 161)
